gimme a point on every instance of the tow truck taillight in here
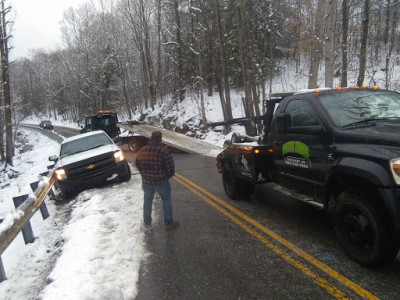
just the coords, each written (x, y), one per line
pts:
(395, 168)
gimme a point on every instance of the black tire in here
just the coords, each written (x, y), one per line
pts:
(235, 187)
(65, 191)
(126, 176)
(236, 138)
(134, 145)
(361, 230)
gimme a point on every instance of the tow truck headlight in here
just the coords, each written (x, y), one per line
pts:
(61, 175)
(395, 167)
(119, 156)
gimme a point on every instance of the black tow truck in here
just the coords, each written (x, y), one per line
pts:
(338, 149)
(107, 120)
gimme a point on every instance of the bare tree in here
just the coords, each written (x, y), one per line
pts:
(317, 45)
(223, 91)
(345, 31)
(390, 40)
(246, 58)
(330, 43)
(5, 84)
(364, 41)
(198, 36)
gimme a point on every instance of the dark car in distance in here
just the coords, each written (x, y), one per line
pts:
(46, 124)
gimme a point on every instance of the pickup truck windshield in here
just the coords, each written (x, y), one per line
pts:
(361, 107)
(82, 145)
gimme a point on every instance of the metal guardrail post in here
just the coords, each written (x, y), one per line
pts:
(42, 207)
(27, 232)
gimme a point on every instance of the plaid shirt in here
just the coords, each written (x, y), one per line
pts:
(155, 164)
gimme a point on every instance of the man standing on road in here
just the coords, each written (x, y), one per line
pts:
(156, 166)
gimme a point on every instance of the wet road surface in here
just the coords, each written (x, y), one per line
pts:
(235, 251)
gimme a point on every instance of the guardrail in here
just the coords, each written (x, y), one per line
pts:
(27, 205)
(48, 133)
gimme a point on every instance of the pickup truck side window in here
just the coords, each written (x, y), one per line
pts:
(302, 114)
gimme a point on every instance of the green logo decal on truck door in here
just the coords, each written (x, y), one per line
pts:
(296, 147)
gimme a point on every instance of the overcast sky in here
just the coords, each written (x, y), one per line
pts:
(37, 24)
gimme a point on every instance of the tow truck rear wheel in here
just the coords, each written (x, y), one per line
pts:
(362, 231)
(235, 187)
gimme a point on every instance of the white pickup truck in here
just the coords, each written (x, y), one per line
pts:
(89, 160)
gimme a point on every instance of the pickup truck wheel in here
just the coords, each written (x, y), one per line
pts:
(127, 174)
(235, 187)
(361, 230)
(65, 191)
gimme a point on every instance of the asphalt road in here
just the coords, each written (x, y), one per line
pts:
(66, 132)
(267, 247)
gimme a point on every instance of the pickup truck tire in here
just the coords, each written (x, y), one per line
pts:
(235, 187)
(127, 174)
(361, 230)
(65, 191)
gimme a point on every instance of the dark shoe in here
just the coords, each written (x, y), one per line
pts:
(171, 225)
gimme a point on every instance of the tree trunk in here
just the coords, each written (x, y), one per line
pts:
(345, 29)
(199, 37)
(159, 64)
(392, 43)
(330, 43)
(181, 87)
(316, 51)
(364, 41)
(2, 154)
(6, 86)
(222, 59)
(246, 67)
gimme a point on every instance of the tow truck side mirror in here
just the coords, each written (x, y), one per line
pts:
(283, 121)
(316, 130)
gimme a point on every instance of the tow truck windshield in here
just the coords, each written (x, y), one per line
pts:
(362, 107)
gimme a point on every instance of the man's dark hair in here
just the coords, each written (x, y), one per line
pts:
(156, 136)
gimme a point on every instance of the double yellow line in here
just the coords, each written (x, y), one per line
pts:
(264, 233)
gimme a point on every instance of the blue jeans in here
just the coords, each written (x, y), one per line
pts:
(165, 193)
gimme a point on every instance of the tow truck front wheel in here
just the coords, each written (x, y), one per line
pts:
(235, 187)
(362, 231)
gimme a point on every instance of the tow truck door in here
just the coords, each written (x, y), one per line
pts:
(299, 153)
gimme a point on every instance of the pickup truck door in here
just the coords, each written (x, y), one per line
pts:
(299, 157)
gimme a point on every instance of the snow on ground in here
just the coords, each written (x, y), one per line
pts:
(92, 253)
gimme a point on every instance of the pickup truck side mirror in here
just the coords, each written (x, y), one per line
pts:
(283, 121)
(53, 158)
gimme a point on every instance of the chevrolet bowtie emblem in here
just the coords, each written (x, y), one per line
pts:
(90, 167)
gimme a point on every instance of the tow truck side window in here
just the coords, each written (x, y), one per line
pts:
(302, 114)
